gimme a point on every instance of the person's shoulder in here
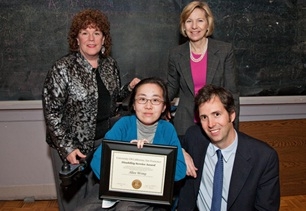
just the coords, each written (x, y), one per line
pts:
(59, 67)
(108, 59)
(165, 123)
(127, 118)
(180, 48)
(195, 137)
(65, 59)
(219, 43)
(124, 122)
(194, 129)
(259, 151)
(195, 132)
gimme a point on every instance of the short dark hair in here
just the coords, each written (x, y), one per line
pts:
(209, 91)
(161, 84)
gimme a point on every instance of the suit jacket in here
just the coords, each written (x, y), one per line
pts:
(254, 183)
(221, 71)
(70, 101)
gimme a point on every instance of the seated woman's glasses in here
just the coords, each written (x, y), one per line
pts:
(153, 101)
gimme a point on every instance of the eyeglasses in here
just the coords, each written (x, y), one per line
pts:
(154, 101)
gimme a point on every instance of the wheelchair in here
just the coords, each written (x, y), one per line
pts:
(71, 173)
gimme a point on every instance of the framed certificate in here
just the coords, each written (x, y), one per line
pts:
(141, 175)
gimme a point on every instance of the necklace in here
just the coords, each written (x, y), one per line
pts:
(202, 54)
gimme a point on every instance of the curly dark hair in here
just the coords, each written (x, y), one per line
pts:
(93, 18)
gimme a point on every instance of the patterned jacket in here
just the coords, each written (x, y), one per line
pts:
(70, 101)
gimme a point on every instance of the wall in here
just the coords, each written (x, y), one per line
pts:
(268, 37)
(25, 163)
(288, 138)
(24, 155)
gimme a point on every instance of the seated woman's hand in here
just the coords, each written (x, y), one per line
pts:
(140, 143)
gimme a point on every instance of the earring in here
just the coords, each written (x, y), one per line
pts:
(102, 49)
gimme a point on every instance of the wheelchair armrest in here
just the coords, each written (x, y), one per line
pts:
(69, 172)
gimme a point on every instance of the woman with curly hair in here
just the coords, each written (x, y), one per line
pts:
(79, 99)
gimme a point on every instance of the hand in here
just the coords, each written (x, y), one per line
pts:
(74, 155)
(191, 169)
(140, 143)
(133, 83)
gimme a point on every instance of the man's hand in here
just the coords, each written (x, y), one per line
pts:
(191, 169)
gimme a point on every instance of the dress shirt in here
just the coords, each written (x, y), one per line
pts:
(206, 187)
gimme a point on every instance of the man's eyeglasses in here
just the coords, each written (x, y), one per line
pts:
(154, 101)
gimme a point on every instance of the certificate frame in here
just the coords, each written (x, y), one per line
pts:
(117, 155)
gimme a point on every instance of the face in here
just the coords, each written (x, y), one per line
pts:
(196, 25)
(148, 113)
(90, 42)
(217, 122)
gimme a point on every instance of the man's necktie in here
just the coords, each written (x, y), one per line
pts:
(218, 183)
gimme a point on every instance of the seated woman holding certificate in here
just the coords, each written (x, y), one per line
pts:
(149, 105)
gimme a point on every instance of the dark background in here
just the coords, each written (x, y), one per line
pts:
(269, 39)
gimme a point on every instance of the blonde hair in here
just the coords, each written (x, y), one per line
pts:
(189, 8)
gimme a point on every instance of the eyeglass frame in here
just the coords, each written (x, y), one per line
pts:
(147, 100)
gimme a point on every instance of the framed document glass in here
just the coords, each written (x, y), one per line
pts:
(141, 175)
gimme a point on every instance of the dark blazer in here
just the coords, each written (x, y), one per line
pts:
(221, 71)
(254, 183)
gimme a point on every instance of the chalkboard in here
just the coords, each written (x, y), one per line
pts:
(268, 37)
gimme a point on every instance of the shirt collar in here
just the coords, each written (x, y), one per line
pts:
(226, 152)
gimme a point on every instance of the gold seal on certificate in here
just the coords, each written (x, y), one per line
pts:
(136, 184)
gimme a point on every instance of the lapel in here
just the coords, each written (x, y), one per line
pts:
(200, 148)
(212, 60)
(108, 75)
(184, 63)
(241, 170)
(196, 184)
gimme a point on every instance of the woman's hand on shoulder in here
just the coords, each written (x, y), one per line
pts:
(191, 169)
(140, 143)
(133, 83)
